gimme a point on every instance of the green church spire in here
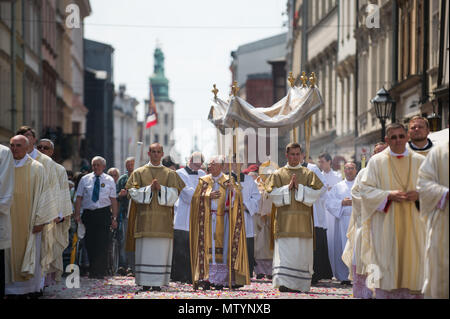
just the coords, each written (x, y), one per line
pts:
(158, 80)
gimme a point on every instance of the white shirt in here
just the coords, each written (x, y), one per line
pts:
(251, 199)
(182, 207)
(107, 191)
(319, 205)
(334, 203)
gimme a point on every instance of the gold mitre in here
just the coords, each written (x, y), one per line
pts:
(268, 168)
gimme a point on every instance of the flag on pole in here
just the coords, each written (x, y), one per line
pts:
(152, 117)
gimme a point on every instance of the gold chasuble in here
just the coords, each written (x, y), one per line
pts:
(30, 207)
(151, 220)
(393, 240)
(295, 219)
(200, 231)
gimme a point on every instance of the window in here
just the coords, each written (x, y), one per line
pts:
(166, 119)
(166, 139)
(156, 138)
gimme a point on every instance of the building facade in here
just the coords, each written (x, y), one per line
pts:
(357, 47)
(125, 127)
(36, 82)
(98, 98)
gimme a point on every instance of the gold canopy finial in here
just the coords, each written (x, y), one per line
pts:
(291, 79)
(215, 91)
(312, 80)
(304, 79)
(235, 88)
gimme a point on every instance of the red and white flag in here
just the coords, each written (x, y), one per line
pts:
(152, 117)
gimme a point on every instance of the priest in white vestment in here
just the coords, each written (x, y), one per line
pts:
(29, 213)
(331, 178)
(339, 203)
(181, 261)
(62, 222)
(51, 192)
(392, 243)
(154, 188)
(352, 251)
(433, 187)
(6, 196)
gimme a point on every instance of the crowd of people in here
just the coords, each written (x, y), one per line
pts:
(383, 229)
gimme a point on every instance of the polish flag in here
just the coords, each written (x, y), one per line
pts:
(152, 117)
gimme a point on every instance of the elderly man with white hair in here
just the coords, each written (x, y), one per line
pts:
(96, 194)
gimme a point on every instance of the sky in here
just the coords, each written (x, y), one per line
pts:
(196, 36)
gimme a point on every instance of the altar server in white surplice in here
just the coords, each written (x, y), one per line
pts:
(433, 189)
(331, 178)
(339, 203)
(181, 260)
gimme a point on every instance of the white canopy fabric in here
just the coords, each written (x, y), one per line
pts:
(291, 111)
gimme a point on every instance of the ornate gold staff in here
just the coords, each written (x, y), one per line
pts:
(291, 80)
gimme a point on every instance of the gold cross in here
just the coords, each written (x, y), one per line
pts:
(304, 79)
(291, 79)
(215, 91)
(235, 88)
(312, 80)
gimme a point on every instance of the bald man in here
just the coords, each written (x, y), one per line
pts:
(29, 213)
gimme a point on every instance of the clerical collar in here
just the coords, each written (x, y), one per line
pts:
(350, 182)
(190, 171)
(34, 153)
(217, 177)
(404, 154)
(151, 165)
(417, 148)
(292, 167)
(21, 162)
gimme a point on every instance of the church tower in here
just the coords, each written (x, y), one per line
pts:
(159, 84)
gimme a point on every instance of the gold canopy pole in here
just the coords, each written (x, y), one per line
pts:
(291, 80)
(308, 122)
(235, 90)
(219, 142)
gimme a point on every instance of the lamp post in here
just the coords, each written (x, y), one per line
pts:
(384, 104)
(434, 119)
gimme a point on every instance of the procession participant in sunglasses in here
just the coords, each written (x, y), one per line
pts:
(61, 229)
(393, 243)
(51, 192)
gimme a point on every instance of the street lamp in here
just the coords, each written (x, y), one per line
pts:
(383, 108)
(434, 120)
